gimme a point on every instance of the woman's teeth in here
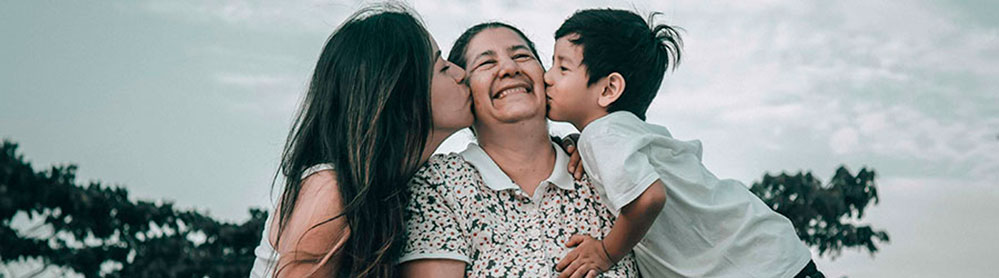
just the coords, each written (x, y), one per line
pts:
(511, 91)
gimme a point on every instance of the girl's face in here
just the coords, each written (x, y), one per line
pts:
(450, 99)
(506, 79)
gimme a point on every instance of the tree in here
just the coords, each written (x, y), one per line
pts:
(827, 216)
(99, 225)
(96, 225)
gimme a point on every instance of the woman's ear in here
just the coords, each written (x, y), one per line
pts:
(612, 89)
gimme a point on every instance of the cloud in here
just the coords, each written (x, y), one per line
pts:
(256, 81)
(264, 94)
(881, 81)
(283, 16)
(925, 217)
(844, 140)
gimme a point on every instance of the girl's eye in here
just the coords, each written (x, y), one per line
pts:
(445, 68)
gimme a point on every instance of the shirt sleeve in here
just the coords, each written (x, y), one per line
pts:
(432, 226)
(620, 164)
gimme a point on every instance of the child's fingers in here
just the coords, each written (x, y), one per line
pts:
(569, 258)
(573, 160)
(581, 271)
(591, 274)
(575, 240)
(570, 270)
(579, 171)
(568, 142)
(574, 137)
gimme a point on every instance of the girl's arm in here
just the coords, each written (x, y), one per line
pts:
(434, 268)
(309, 243)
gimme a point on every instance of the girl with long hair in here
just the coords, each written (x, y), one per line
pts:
(365, 126)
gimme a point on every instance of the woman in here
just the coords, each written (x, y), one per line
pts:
(504, 207)
(365, 126)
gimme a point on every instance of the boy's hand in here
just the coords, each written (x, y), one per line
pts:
(587, 260)
(575, 163)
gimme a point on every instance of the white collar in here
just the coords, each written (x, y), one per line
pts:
(496, 179)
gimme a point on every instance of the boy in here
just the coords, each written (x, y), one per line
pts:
(678, 218)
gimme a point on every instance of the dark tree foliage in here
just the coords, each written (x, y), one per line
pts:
(99, 224)
(96, 224)
(825, 216)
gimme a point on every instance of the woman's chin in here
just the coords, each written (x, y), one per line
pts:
(519, 114)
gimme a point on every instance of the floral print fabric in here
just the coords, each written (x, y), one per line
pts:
(454, 214)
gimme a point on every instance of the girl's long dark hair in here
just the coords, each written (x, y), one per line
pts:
(367, 112)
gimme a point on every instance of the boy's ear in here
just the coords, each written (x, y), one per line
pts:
(613, 87)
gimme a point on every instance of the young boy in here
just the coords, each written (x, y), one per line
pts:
(678, 218)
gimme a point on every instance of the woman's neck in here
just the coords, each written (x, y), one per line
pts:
(522, 150)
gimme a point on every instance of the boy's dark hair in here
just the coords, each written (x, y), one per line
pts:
(621, 41)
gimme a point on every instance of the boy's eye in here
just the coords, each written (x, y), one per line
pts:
(563, 68)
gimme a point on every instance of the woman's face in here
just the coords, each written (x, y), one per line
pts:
(506, 80)
(449, 97)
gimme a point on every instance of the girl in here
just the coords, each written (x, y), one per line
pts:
(365, 126)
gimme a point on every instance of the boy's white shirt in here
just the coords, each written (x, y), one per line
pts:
(708, 227)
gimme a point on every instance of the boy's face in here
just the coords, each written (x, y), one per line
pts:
(569, 97)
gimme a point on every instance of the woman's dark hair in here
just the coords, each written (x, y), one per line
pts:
(367, 112)
(621, 41)
(457, 54)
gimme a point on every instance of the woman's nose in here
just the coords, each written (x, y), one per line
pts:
(508, 67)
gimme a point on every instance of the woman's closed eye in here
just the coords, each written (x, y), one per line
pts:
(522, 57)
(486, 63)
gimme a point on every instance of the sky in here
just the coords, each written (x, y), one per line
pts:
(190, 101)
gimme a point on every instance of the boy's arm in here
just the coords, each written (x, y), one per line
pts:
(632, 223)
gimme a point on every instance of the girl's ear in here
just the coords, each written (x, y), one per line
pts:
(613, 87)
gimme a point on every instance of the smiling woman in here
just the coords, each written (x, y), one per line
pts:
(506, 206)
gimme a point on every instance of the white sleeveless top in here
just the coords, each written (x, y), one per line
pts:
(266, 257)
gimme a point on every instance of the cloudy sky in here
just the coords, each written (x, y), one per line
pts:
(190, 101)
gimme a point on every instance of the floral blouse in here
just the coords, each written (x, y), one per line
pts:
(463, 207)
